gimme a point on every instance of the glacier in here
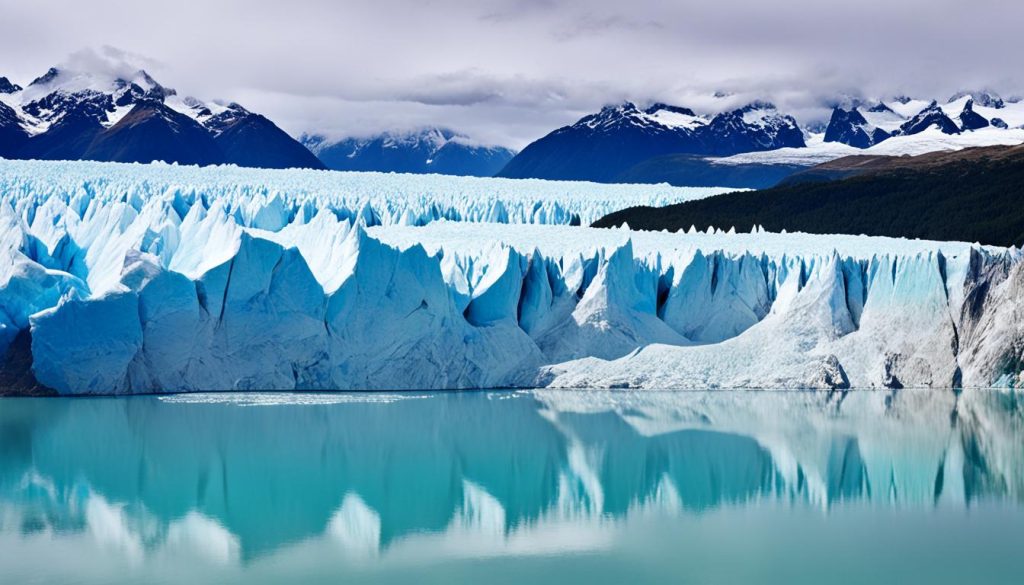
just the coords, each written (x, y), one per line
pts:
(157, 278)
(269, 199)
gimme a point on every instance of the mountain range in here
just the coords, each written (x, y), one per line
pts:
(67, 115)
(864, 126)
(756, 146)
(605, 146)
(429, 150)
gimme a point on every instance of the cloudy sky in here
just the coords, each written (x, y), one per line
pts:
(508, 71)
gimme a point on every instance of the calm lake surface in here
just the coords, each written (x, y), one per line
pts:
(514, 487)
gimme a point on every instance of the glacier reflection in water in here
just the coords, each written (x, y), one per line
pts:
(544, 486)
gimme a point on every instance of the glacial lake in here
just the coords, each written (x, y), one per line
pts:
(514, 487)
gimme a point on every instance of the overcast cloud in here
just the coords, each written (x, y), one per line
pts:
(509, 71)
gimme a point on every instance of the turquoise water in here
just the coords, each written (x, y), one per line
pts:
(514, 487)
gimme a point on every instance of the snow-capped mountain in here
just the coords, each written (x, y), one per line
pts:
(931, 116)
(757, 126)
(430, 150)
(984, 98)
(603, 146)
(853, 128)
(963, 112)
(67, 115)
(892, 127)
(971, 120)
(600, 146)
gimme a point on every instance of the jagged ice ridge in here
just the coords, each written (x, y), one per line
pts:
(269, 199)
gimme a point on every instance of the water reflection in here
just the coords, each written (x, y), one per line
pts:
(231, 479)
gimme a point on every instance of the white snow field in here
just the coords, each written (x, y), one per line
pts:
(137, 283)
(818, 151)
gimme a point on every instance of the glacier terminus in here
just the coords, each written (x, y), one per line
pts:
(120, 279)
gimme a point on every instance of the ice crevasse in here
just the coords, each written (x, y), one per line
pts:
(171, 293)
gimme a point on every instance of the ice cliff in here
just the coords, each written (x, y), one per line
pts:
(132, 284)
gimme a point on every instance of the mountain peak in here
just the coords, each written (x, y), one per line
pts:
(147, 78)
(852, 128)
(971, 120)
(48, 77)
(757, 105)
(229, 115)
(7, 87)
(144, 85)
(429, 137)
(984, 98)
(624, 107)
(881, 107)
(613, 116)
(135, 84)
(930, 116)
(663, 107)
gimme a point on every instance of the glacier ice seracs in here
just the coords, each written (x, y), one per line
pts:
(160, 278)
(269, 199)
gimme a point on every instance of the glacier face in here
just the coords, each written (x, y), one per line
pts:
(137, 283)
(726, 310)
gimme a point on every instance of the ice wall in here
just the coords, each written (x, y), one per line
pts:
(100, 294)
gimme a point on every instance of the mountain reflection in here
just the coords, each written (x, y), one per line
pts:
(244, 479)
